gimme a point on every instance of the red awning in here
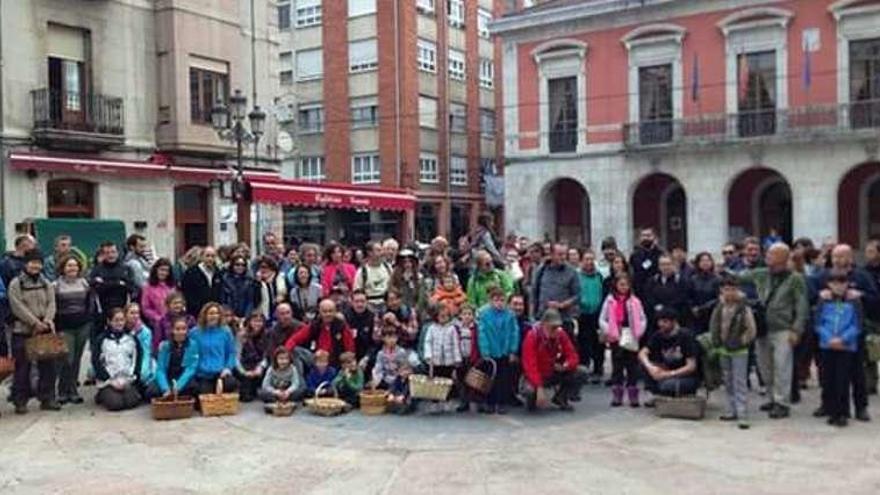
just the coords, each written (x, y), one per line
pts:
(45, 163)
(330, 195)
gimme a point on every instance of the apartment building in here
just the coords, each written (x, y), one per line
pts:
(389, 97)
(106, 112)
(707, 121)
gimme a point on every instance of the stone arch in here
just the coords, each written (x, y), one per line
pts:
(858, 204)
(564, 206)
(659, 201)
(759, 200)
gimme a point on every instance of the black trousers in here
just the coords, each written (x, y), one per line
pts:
(858, 377)
(836, 374)
(248, 387)
(21, 380)
(592, 352)
(119, 400)
(567, 384)
(624, 362)
(501, 388)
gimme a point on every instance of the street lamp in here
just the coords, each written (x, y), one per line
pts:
(230, 127)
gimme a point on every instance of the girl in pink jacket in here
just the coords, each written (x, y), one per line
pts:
(622, 324)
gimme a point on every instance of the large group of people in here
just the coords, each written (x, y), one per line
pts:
(538, 318)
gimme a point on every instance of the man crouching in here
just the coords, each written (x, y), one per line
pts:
(550, 365)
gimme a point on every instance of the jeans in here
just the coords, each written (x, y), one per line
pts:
(735, 368)
(21, 381)
(775, 361)
(248, 386)
(76, 338)
(672, 387)
(624, 362)
(567, 384)
(590, 350)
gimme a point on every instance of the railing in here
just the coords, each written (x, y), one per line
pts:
(788, 123)
(77, 111)
(563, 141)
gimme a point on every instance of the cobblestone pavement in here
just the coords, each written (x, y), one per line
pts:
(595, 450)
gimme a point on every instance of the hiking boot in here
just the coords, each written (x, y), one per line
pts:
(820, 412)
(727, 417)
(779, 411)
(767, 407)
(633, 396)
(862, 415)
(617, 396)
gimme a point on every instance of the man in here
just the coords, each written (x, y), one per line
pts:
(137, 260)
(643, 260)
(374, 276)
(273, 247)
(731, 260)
(861, 287)
(390, 247)
(669, 289)
(362, 322)
(533, 260)
(670, 358)
(557, 287)
(609, 251)
(13, 262)
(32, 301)
(551, 365)
(751, 257)
(872, 260)
(327, 333)
(63, 245)
(783, 295)
(111, 279)
(485, 277)
(682, 265)
(592, 295)
(309, 255)
(201, 283)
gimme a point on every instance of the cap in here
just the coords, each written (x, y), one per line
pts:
(551, 318)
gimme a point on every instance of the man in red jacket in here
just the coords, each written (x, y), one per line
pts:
(551, 364)
(327, 333)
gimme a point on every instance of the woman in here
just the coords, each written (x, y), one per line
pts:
(336, 273)
(135, 326)
(704, 285)
(217, 353)
(483, 238)
(239, 290)
(437, 267)
(291, 259)
(305, 294)
(116, 365)
(619, 266)
(272, 285)
(406, 278)
(74, 302)
(160, 283)
(201, 282)
(187, 261)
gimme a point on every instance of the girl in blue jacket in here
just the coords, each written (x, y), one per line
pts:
(217, 354)
(177, 363)
(498, 339)
(144, 336)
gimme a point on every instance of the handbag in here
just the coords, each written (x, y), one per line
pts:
(628, 340)
(45, 347)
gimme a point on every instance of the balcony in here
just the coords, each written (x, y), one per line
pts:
(74, 120)
(803, 123)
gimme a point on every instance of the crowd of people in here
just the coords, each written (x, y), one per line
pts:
(538, 317)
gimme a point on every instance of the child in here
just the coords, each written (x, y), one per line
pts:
(116, 365)
(498, 339)
(732, 326)
(470, 354)
(176, 305)
(350, 380)
(450, 294)
(838, 325)
(442, 348)
(177, 362)
(283, 382)
(399, 399)
(144, 337)
(253, 349)
(320, 373)
(386, 369)
(622, 324)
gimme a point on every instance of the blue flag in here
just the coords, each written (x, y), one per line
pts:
(695, 80)
(808, 69)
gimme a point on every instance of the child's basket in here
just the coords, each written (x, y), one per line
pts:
(479, 380)
(428, 387)
(373, 402)
(282, 409)
(174, 407)
(326, 406)
(218, 403)
(7, 367)
(688, 407)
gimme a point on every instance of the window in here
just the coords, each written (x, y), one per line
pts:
(757, 93)
(864, 81)
(425, 6)
(309, 64)
(427, 112)
(655, 104)
(311, 168)
(362, 55)
(457, 117)
(563, 114)
(311, 119)
(286, 60)
(361, 7)
(205, 89)
(487, 73)
(308, 13)
(458, 175)
(285, 77)
(428, 173)
(487, 122)
(68, 56)
(427, 55)
(455, 9)
(364, 113)
(483, 19)
(456, 64)
(70, 199)
(284, 16)
(365, 169)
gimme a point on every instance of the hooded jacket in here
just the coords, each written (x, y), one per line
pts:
(838, 319)
(117, 358)
(732, 325)
(541, 353)
(188, 365)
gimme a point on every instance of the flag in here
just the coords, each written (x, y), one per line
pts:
(808, 69)
(695, 80)
(743, 76)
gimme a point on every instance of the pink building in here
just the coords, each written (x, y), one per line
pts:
(706, 120)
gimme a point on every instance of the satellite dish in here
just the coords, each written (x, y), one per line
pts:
(284, 142)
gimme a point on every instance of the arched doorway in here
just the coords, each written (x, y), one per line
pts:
(190, 217)
(566, 211)
(759, 202)
(659, 202)
(858, 204)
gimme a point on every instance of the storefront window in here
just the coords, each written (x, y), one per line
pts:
(305, 225)
(460, 215)
(71, 199)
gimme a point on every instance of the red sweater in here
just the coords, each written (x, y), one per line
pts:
(324, 342)
(540, 353)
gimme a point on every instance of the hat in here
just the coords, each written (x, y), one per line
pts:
(666, 313)
(551, 318)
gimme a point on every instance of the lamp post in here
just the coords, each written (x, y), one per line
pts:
(228, 121)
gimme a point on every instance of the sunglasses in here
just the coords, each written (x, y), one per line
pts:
(727, 253)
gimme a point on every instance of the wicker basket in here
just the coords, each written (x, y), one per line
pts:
(373, 402)
(480, 381)
(7, 367)
(282, 409)
(45, 347)
(428, 387)
(218, 403)
(174, 407)
(688, 407)
(326, 406)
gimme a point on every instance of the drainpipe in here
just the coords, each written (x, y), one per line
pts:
(397, 90)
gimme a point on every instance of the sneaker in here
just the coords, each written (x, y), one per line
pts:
(463, 407)
(650, 403)
(766, 407)
(820, 412)
(21, 409)
(743, 425)
(50, 406)
(862, 415)
(779, 412)
(727, 417)
(76, 399)
(841, 422)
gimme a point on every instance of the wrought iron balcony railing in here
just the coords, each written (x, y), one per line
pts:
(78, 112)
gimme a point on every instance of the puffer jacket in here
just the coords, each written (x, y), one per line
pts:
(240, 293)
(32, 300)
(839, 319)
(118, 358)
